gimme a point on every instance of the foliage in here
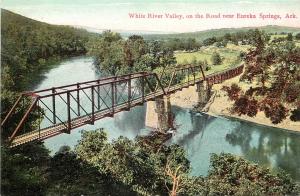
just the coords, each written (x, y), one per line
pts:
(295, 116)
(216, 59)
(116, 56)
(23, 170)
(289, 37)
(27, 44)
(275, 66)
(233, 91)
(167, 57)
(108, 52)
(209, 41)
(245, 106)
(188, 44)
(26, 47)
(129, 167)
(274, 110)
(129, 162)
(230, 175)
(70, 175)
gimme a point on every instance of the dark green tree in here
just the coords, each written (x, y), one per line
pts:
(289, 37)
(216, 59)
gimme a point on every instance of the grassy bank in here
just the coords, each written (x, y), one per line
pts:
(230, 56)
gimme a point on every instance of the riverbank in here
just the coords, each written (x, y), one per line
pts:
(221, 107)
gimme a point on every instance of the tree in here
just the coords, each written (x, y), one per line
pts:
(131, 167)
(154, 48)
(297, 36)
(134, 48)
(28, 45)
(108, 51)
(231, 175)
(289, 37)
(176, 179)
(70, 175)
(167, 57)
(275, 67)
(258, 39)
(23, 170)
(233, 92)
(216, 59)
(227, 37)
(129, 161)
(190, 44)
(209, 41)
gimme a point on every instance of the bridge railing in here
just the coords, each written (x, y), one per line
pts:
(55, 110)
(64, 105)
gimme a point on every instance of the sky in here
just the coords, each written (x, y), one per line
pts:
(114, 15)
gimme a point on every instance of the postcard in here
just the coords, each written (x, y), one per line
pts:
(198, 97)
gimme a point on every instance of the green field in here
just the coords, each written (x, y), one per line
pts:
(230, 56)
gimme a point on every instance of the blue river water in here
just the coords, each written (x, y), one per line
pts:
(199, 134)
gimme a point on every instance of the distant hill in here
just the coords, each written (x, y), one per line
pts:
(9, 18)
(27, 45)
(123, 33)
(201, 35)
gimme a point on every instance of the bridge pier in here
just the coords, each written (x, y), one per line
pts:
(160, 111)
(204, 92)
(159, 115)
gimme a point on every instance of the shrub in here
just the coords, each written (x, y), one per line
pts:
(216, 59)
(231, 175)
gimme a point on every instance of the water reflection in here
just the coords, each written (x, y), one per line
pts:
(134, 120)
(128, 124)
(202, 135)
(268, 146)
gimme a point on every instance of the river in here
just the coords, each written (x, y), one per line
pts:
(199, 134)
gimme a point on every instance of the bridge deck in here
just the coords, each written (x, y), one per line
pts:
(81, 121)
(110, 111)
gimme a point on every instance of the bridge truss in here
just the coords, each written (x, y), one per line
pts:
(86, 102)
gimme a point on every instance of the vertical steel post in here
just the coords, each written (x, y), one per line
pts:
(202, 71)
(116, 92)
(182, 75)
(39, 109)
(78, 100)
(188, 74)
(98, 89)
(112, 97)
(143, 89)
(53, 105)
(69, 112)
(93, 104)
(194, 75)
(129, 91)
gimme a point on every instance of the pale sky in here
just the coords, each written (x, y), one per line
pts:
(104, 14)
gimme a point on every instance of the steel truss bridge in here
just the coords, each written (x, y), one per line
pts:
(64, 108)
